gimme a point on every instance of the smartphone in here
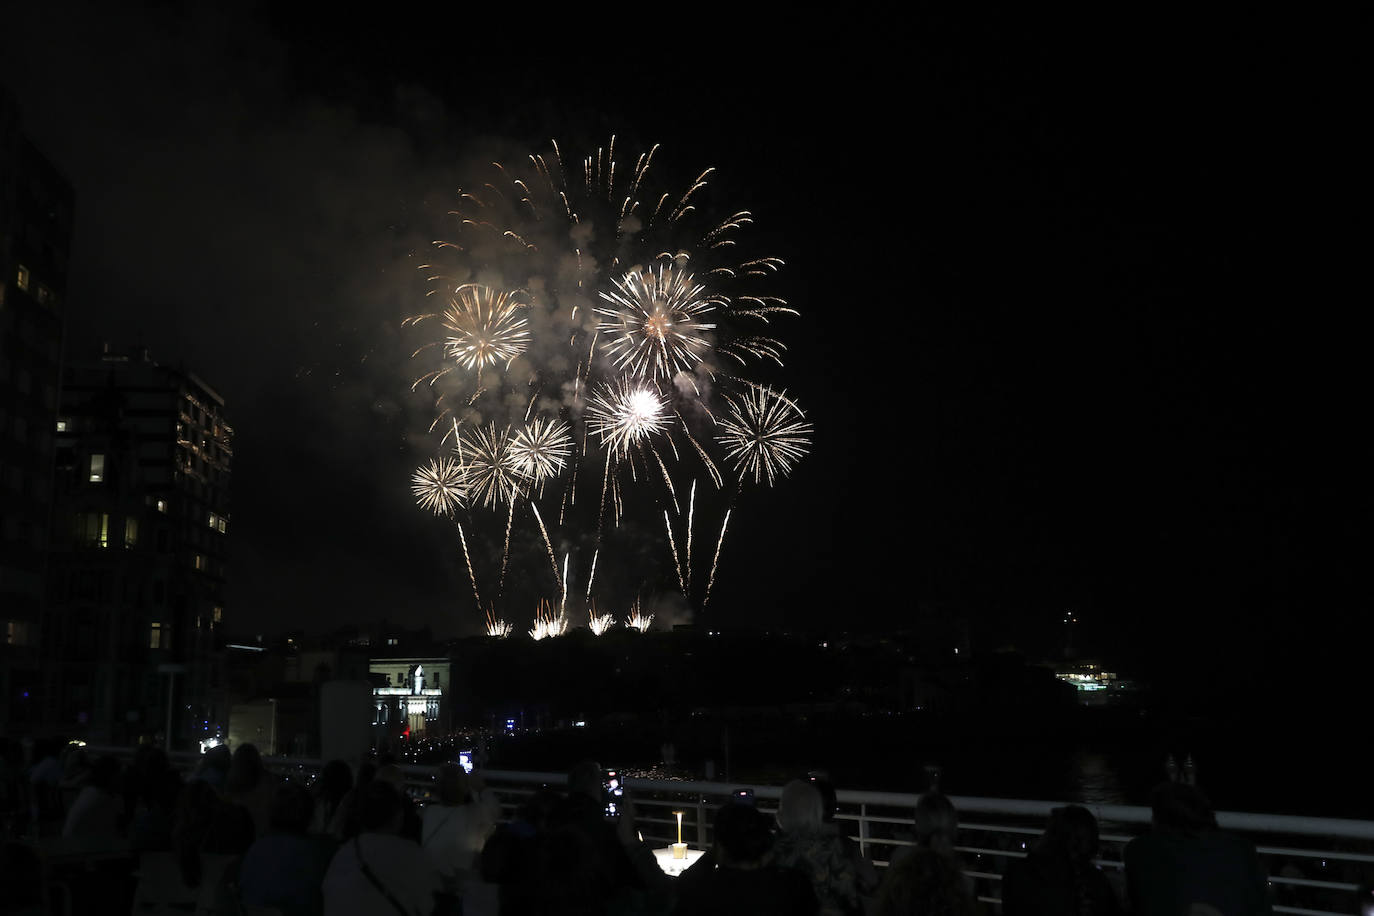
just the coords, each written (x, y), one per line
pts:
(612, 791)
(743, 797)
(465, 761)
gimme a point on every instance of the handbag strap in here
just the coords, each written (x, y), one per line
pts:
(371, 876)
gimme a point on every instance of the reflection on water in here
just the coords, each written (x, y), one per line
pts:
(1095, 781)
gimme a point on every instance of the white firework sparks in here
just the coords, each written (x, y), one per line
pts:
(625, 413)
(484, 328)
(498, 628)
(654, 325)
(438, 486)
(637, 620)
(764, 433)
(491, 472)
(541, 448)
(599, 623)
(548, 623)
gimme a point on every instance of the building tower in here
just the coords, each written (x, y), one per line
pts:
(138, 571)
(35, 240)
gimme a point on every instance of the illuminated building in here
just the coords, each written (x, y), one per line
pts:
(137, 584)
(408, 696)
(35, 239)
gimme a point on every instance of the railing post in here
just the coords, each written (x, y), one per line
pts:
(863, 829)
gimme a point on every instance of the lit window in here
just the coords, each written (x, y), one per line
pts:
(155, 636)
(162, 506)
(130, 532)
(104, 538)
(213, 518)
(218, 614)
(97, 469)
(198, 561)
(61, 426)
(22, 280)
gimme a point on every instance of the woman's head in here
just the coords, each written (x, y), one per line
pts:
(926, 882)
(800, 809)
(245, 768)
(335, 781)
(937, 823)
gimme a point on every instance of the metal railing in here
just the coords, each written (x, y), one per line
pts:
(1315, 864)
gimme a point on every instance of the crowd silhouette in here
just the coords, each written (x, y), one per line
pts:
(230, 837)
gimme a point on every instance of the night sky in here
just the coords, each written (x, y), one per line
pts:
(1065, 327)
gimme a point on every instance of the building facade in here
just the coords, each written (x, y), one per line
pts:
(138, 567)
(408, 697)
(36, 210)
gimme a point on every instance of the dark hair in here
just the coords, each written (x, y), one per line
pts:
(936, 822)
(195, 817)
(926, 882)
(334, 782)
(378, 804)
(829, 801)
(743, 832)
(1072, 833)
(245, 769)
(1181, 808)
(585, 779)
(1071, 838)
(292, 808)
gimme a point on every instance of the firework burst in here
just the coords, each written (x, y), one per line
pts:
(498, 627)
(637, 620)
(599, 623)
(438, 486)
(541, 448)
(625, 413)
(548, 622)
(590, 357)
(491, 471)
(763, 433)
(485, 328)
(654, 324)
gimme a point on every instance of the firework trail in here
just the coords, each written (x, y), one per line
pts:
(716, 561)
(553, 561)
(672, 546)
(505, 551)
(472, 576)
(691, 510)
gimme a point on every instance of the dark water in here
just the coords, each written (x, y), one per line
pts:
(1091, 756)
